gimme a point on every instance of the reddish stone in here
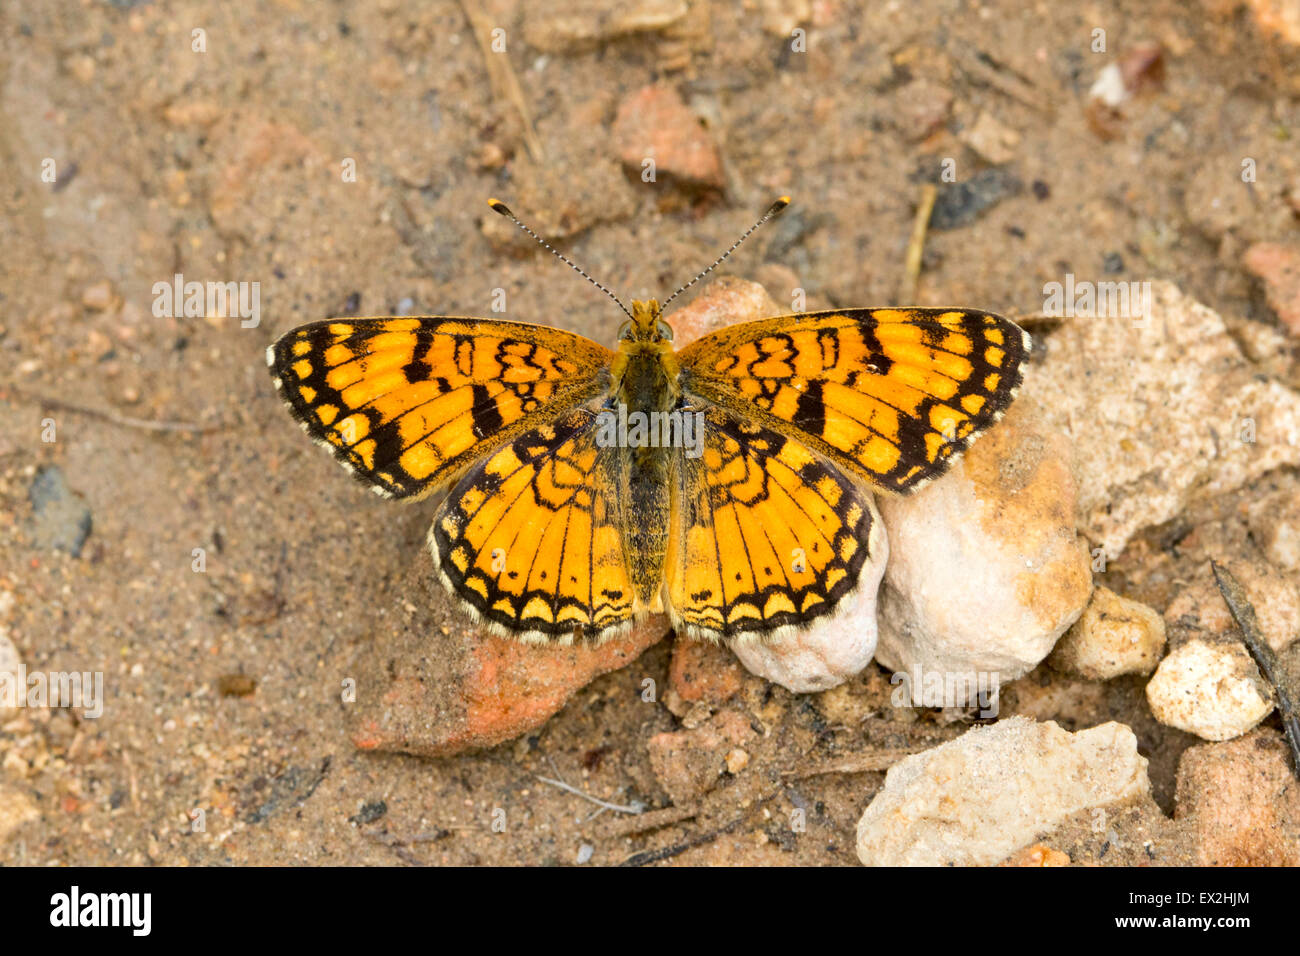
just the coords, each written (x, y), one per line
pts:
(653, 123)
(1037, 855)
(1278, 267)
(703, 671)
(438, 684)
(1241, 802)
(724, 302)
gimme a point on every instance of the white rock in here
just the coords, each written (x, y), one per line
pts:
(1169, 412)
(979, 798)
(1114, 636)
(1109, 86)
(834, 648)
(985, 570)
(1212, 690)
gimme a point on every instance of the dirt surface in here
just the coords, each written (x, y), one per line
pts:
(223, 684)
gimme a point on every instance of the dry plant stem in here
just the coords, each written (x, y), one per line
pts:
(1243, 612)
(869, 762)
(569, 788)
(916, 245)
(976, 66)
(505, 85)
(652, 820)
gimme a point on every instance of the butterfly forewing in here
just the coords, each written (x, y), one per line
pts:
(407, 403)
(893, 395)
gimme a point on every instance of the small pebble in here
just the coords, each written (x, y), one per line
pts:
(98, 296)
(60, 519)
(921, 107)
(737, 760)
(1114, 636)
(1277, 266)
(82, 67)
(995, 142)
(654, 125)
(1212, 690)
(491, 157)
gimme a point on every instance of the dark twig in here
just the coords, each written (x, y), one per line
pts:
(983, 69)
(654, 856)
(1243, 612)
(667, 852)
(400, 845)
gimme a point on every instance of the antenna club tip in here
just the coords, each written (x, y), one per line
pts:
(777, 207)
(496, 205)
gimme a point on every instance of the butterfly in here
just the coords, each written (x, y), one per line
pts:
(728, 484)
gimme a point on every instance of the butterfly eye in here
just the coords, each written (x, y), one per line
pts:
(625, 331)
(664, 331)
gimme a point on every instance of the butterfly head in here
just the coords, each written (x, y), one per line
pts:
(645, 324)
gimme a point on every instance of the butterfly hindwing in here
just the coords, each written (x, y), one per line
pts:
(406, 403)
(893, 395)
(768, 534)
(531, 538)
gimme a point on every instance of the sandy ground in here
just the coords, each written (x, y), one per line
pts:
(223, 685)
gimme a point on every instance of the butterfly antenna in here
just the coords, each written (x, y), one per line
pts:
(499, 207)
(773, 211)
